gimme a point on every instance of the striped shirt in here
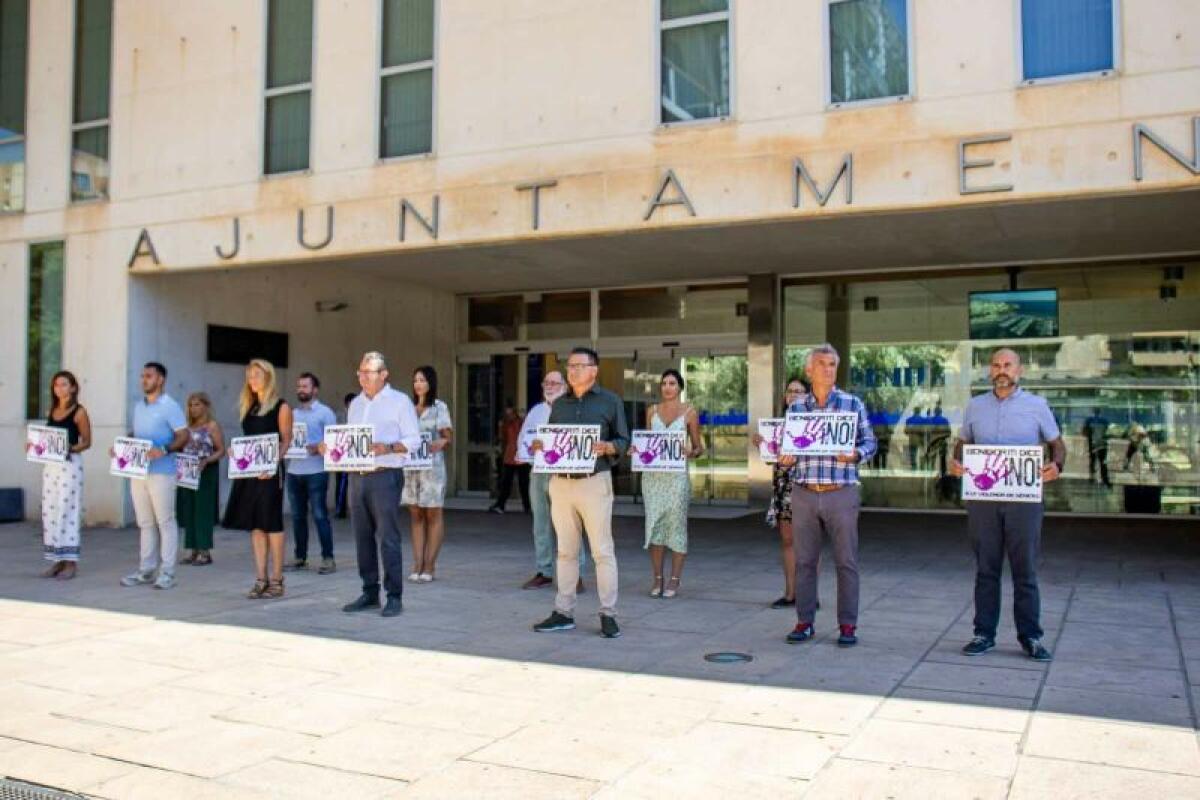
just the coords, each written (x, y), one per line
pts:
(827, 469)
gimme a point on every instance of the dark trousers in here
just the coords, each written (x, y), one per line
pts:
(814, 515)
(305, 492)
(1099, 456)
(375, 518)
(507, 471)
(1015, 530)
(341, 487)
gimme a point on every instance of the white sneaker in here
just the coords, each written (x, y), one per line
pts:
(414, 578)
(165, 581)
(425, 577)
(137, 579)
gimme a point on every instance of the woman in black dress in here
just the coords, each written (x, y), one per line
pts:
(256, 505)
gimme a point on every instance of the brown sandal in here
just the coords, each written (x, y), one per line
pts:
(258, 590)
(203, 559)
(274, 589)
(53, 570)
(67, 572)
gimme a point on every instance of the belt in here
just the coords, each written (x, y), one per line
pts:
(822, 488)
(377, 470)
(575, 476)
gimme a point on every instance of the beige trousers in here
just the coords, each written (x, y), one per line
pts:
(576, 505)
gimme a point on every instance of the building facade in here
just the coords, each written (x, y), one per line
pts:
(714, 185)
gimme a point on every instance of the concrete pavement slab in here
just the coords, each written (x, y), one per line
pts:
(961, 709)
(1153, 748)
(292, 781)
(1039, 778)
(399, 752)
(844, 777)
(936, 747)
(469, 779)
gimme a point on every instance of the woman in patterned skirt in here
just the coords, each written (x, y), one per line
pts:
(666, 494)
(62, 483)
(425, 489)
(196, 509)
(779, 513)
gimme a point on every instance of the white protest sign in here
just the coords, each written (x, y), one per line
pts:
(566, 449)
(1002, 473)
(131, 457)
(422, 459)
(348, 448)
(771, 432)
(659, 451)
(46, 445)
(187, 471)
(299, 445)
(253, 456)
(819, 434)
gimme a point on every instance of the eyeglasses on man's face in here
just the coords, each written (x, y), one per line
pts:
(362, 372)
(580, 365)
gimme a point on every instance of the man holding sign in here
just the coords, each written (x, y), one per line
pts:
(307, 480)
(580, 500)
(375, 492)
(826, 436)
(1006, 421)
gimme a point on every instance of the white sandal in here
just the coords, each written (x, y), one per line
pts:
(425, 577)
(656, 589)
(669, 593)
(414, 578)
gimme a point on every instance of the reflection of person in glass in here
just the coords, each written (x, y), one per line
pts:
(1008, 415)
(1139, 443)
(1095, 433)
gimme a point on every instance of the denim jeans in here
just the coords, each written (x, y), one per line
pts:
(305, 491)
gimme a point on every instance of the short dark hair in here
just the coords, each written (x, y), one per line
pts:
(431, 378)
(157, 367)
(315, 382)
(673, 373)
(585, 351)
(348, 398)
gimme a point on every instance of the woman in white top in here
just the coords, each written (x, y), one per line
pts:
(425, 489)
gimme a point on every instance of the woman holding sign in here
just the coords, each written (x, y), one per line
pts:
(256, 503)
(197, 508)
(425, 487)
(62, 480)
(666, 494)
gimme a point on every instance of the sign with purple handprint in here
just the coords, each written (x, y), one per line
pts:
(187, 471)
(299, 445)
(422, 458)
(130, 457)
(1002, 473)
(253, 456)
(659, 451)
(566, 449)
(819, 433)
(770, 431)
(46, 445)
(349, 448)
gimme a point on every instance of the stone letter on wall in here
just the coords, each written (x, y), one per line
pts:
(536, 187)
(237, 241)
(1140, 131)
(328, 230)
(800, 174)
(144, 247)
(430, 227)
(681, 200)
(964, 164)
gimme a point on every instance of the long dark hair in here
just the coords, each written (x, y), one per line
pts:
(430, 375)
(673, 373)
(62, 373)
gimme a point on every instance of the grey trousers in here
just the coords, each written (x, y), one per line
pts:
(814, 515)
(375, 518)
(1014, 530)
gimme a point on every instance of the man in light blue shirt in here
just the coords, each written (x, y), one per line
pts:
(1008, 415)
(307, 480)
(160, 419)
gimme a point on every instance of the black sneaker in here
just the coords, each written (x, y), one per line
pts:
(608, 627)
(801, 633)
(361, 604)
(783, 602)
(1035, 649)
(393, 607)
(978, 646)
(555, 622)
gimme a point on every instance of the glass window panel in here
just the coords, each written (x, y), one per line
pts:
(289, 42)
(868, 49)
(695, 72)
(673, 310)
(14, 28)
(407, 31)
(562, 315)
(43, 356)
(1066, 37)
(89, 163)
(287, 132)
(407, 113)
(674, 9)
(12, 176)
(93, 58)
(495, 319)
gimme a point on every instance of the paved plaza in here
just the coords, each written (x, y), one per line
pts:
(197, 692)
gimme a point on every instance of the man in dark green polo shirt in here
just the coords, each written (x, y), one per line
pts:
(584, 501)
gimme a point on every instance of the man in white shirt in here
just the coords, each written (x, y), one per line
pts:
(375, 495)
(553, 386)
(307, 480)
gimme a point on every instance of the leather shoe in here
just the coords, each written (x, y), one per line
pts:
(392, 608)
(361, 604)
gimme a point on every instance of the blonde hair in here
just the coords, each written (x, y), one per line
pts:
(270, 394)
(203, 398)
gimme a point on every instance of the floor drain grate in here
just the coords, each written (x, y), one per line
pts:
(17, 790)
(728, 658)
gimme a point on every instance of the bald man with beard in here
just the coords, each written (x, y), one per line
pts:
(1008, 415)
